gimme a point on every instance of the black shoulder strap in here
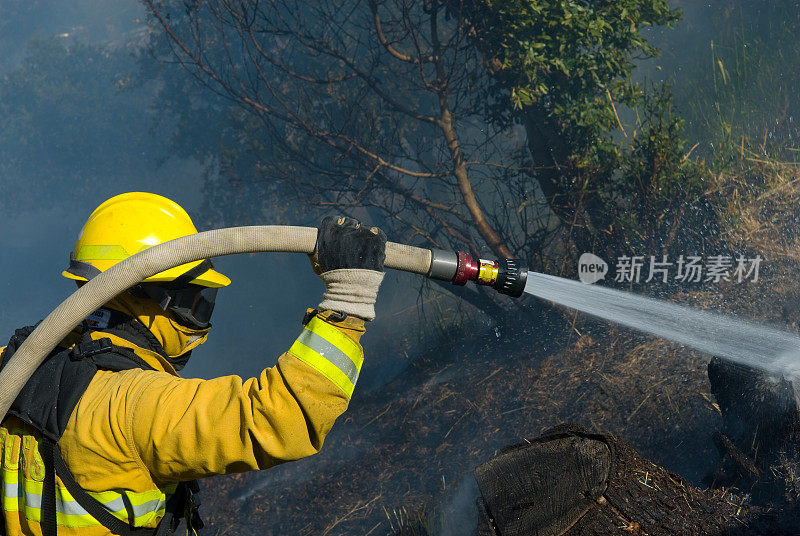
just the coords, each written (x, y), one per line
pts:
(89, 503)
(107, 356)
(182, 504)
(50, 395)
(48, 519)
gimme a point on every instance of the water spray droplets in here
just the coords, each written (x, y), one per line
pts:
(772, 350)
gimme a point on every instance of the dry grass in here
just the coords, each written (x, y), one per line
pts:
(758, 202)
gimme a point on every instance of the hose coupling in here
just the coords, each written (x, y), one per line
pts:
(507, 276)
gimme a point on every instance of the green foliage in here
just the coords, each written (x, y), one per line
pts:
(569, 56)
(623, 186)
(657, 158)
(657, 191)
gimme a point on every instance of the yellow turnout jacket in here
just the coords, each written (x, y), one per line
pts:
(136, 433)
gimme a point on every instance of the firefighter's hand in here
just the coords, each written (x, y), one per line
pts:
(349, 259)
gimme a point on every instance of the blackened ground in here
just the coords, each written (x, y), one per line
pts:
(408, 450)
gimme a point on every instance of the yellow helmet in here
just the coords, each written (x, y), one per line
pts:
(128, 223)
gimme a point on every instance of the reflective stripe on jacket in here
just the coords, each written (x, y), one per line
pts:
(23, 475)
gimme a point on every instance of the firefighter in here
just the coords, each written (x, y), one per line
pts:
(107, 438)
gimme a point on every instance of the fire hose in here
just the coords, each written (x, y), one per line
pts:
(506, 276)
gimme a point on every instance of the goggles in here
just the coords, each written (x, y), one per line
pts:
(193, 304)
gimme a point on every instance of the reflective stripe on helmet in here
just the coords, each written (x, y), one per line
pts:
(107, 253)
(145, 507)
(335, 355)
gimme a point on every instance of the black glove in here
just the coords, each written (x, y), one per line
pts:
(349, 259)
(345, 243)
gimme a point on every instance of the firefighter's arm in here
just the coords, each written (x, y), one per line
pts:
(189, 428)
(198, 428)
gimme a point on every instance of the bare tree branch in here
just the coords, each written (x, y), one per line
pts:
(388, 46)
(368, 104)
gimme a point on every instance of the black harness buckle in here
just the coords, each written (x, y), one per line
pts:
(90, 348)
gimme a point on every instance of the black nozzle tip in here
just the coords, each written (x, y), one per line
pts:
(511, 278)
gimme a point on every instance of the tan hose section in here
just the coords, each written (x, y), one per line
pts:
(98, 291)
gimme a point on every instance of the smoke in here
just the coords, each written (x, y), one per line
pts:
(329, 461)
(111, 22)
(458, 514)
(83, 136)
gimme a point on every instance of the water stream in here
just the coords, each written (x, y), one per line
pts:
(770, 349)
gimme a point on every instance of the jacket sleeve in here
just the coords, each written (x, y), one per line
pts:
(183, 429)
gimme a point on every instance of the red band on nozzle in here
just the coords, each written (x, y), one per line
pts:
(467, 269)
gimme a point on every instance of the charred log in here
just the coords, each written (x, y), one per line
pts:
(574, 483)
(759, 443)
